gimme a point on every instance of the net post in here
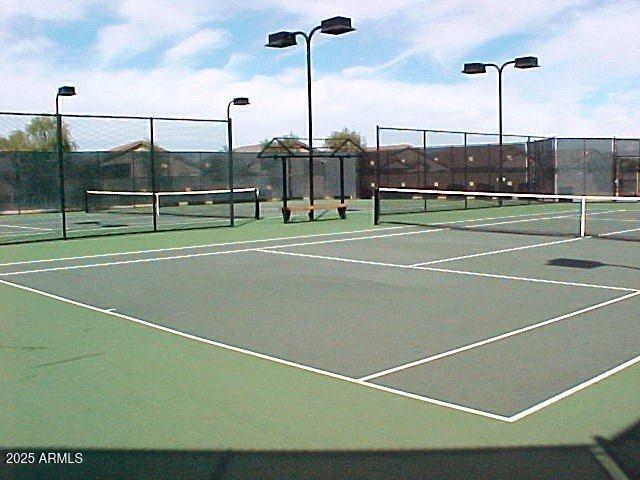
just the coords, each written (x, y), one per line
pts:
(285, 188)
(583, 216)
(341, 159)
(155, 197)
(257, 204)
(376, 206)
(86, 201)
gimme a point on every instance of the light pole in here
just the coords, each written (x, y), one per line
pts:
(330, 26)
(475, 68)
(235, 101)
(66, 91)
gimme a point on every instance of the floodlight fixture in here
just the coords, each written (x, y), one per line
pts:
(235, 101)
(519, 62)
(526, 62)
(336, 26)
(281, 40)
(330, 26)
(474, 68)
(66, 91)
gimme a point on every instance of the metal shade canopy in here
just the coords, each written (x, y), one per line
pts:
(526, 62)
(473, 68)
(281, 40)
(336, 26)
(67, 91)
(241, 101)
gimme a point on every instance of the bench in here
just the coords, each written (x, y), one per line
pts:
(341, 208)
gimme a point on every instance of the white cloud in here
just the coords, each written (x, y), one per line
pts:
(584, 53)
(49, 10)
(198, 43)
(147, 23)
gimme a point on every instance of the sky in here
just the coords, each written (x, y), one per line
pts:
(401, 67)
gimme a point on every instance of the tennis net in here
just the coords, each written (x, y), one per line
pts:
(198, 203)
(534, 214)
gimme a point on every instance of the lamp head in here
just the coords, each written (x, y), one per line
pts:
(474, 68)
(240, 101)
(67, 91)
(526, 62)
(336, 26)
(281, 40)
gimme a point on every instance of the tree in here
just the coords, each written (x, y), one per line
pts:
(339, 140)
(291, 142)
(39, 135)
(14, 142)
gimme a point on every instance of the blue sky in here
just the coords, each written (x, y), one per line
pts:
(401, 67)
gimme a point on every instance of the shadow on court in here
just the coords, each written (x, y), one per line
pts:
(584, 264)
(547, 462)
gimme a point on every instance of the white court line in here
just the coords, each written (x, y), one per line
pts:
(259, 355)
(352, 239)
(444, 270)
(170, 249)
(179, 257)
(22, 226)
(527, 279)
(30, 234)
(618, 233)
(126, 262)
(497, 338)
(571, 391)
(495, 252)
(295, 237)
(612, 220)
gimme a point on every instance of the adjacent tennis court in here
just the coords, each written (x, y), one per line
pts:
(499, 325)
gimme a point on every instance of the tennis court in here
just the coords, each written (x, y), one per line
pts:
(129, 215)
(499, 325)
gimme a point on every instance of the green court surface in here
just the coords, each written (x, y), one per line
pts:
(330, 335)
(29, 227)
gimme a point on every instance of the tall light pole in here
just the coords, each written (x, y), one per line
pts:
(66, 91)
(330, 26)
(475, 68)
(235, 101)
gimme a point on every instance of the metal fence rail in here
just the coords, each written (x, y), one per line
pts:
(43, 187)
(458, 160)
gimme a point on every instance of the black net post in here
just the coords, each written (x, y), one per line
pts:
(341, 159)
(152, 159)
(376, 206)
(285, 190)
(257, 204)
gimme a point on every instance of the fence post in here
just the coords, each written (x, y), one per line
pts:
(230, 172)
(466, 164)
(425, 180)
(61, 173)
(378, 173)
(152, 158)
